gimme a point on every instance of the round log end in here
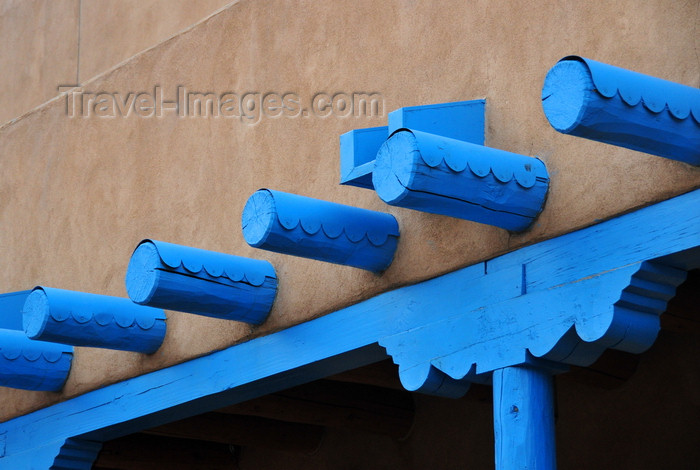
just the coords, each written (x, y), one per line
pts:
(259, 216)
(35, 313)
(142, 274)
(567, 90)
(395, 166)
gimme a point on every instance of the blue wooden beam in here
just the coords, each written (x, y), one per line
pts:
(32, 365)
(202, 282)
(609, 104)
(321, 230)
(436, 174)
(98, 321)
(523, 418)
(461, 120)
(667, 232)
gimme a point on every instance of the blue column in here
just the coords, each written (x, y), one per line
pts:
(523, 418)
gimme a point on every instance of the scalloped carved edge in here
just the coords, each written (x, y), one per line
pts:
(332, 229)
(655, 94)
(481, 165)
(636, 296)
(215, 265)
(76, 453)
(31, 350)
(132, 315)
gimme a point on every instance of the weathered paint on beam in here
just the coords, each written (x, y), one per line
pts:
(348, 338)
(202, 282)
(32, 365)
(98, 321)
(523, 418)
(436, 174)
(609, 104)
(321, 230)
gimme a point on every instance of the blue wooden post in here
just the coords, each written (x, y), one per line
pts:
(32, 365)
(445, 176)
(99, 321)
(523, 418)
(601, 102)
(202, 282)
(321, 230)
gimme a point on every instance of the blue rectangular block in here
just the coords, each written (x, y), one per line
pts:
(461, 120)
(358, 148)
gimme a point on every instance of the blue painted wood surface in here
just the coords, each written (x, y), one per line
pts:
(523, 419)
(99, 321)
(349, 337)
(321, 230)
(32, 365)
(358, 148)
(609, 104)
(202, 282)
(461, 120)
(11, 309)
(436, 174)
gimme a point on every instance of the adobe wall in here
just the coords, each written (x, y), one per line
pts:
(77, 194)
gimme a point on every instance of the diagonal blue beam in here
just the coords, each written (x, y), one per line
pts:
(349, 337)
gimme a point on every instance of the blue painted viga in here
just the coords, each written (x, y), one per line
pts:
(202, 282)
(32, 365)
(320, 230)
(440, 175)
(99, 321)
(609, 104)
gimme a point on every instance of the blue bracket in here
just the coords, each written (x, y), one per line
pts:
(609, 104)
(202, 282)
(98, 321)
(434, 160)
(320, 230)
(462, 120)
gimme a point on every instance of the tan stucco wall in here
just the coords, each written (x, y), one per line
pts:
(78, 194)
(38, 52)
(46, 43)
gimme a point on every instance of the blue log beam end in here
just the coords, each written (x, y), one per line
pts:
(609, 104)
(202, 282)
(99, 321)
(32, 365)
(523, 418)
(320, 230)
(436, 174)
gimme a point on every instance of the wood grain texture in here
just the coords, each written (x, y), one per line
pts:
(325, 231)
(202, 282)
(100, 321)
(440, 175)
(523, 412)
(32, 365)
(610, 252)
(597, 101)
